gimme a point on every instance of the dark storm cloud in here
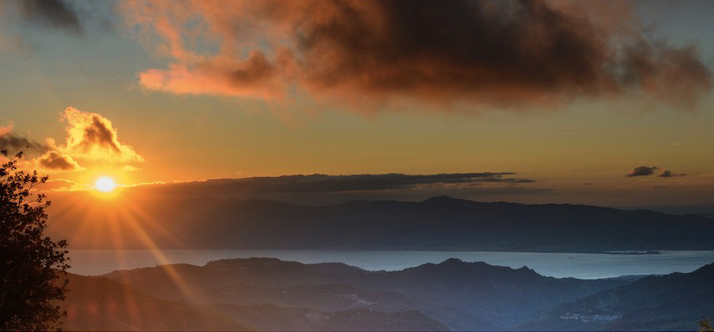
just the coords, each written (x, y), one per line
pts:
(493, 52)
(54, 160)
(320, 183)
(450, 48)
(668, 174)
(51, 13)
(13, 143)
(642, 171)
(673, 75)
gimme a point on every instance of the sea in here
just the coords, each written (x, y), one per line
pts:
(559, 265)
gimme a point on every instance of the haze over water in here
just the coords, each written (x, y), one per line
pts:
(559, 265)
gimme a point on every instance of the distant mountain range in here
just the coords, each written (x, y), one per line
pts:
(272, 295)
(439, 223)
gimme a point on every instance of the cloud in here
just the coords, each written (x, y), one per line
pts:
(649, 170)
(330, 189)
(668, 174)
(130, 168)
(321, 183)
(55, 161)
(642, 171)
(59, 184)
(51, 14)
(93, 137)
(11, 142)
(494, 53)
(673, 75)
(336, 183)
(90, 137)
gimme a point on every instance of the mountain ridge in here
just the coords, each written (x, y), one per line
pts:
(674, 301)
(438, 223)
(460, 295)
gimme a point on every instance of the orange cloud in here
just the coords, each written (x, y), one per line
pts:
(59, 184)
(497, 53)
(255, 77)
(91, 136)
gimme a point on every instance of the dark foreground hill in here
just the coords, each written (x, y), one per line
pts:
(270, 294)
(440, 223)
(273, 295)
(98, 303)
(673, 302)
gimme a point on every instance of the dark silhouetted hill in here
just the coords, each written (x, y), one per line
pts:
(675, 301)
(273, 295)
(459, 295)
(98, 303)
(268, 317)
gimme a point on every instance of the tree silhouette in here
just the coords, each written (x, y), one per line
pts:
(32, 266)
(705, 325)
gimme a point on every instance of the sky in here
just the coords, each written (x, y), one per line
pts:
(590, 102)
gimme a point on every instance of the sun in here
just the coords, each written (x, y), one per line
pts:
(105, 184)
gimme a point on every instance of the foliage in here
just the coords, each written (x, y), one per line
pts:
(705, 325)
(32, 266)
